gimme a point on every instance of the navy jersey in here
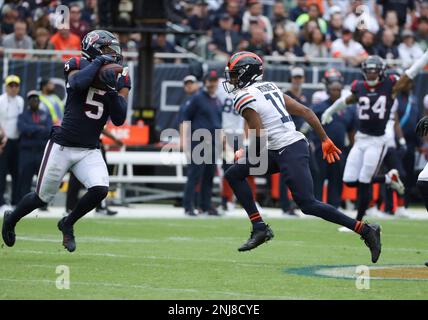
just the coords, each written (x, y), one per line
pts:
(374, 105)
(85, 114)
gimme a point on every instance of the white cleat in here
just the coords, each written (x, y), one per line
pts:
(396, 182)
(374, 212)
(402, 212)
(344, 229)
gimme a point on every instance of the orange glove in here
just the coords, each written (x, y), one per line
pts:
(330, 151)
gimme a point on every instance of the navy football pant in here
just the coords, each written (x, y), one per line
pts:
(293, 163)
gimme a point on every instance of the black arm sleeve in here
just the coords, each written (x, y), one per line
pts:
(118, 107)
(84, 78)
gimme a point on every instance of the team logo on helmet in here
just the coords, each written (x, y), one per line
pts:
(90, 39)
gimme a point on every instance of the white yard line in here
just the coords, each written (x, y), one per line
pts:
(149, 287)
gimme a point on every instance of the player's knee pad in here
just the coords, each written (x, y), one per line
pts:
(98, 192)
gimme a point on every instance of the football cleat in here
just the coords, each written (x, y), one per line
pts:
(372, 240)
(190, 213)
(67, 236)
(396, 182)
(105, 211)
(257, 238)
(8, 230)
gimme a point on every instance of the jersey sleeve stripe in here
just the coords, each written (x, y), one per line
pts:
(244, 95)
(239, 104)
(242, 107)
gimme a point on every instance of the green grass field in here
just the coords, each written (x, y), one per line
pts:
(197, 259)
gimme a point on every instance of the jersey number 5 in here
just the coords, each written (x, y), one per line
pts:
(378, 108)
(95, 108)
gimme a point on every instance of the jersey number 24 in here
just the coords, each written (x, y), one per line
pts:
(379, 108)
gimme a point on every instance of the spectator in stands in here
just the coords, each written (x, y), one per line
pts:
(387, 48)
(233, 9)
(11, 106)
(335, 27)
(349, 50)
(359, 20)
(225, 40)
(368, 40)
(391, 23)
(400, 7)
(258, 43)
(204, 111)
(41, 41)
(200, 20)
(409, 49)
(9, 16)
(315, 47)
(50, 102)
(41, 20)
(18, 39)
(288, 46)
(88, 12)
(298, 10)
(422, 33)
(313, 14)
(35, 127)
(64, 39)
(254, 15)
(280, 18)
(162, 45)
(77, 26)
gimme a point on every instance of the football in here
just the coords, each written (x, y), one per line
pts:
(98, 82)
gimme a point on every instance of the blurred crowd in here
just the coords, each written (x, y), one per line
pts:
(309, 29)
(303, 29)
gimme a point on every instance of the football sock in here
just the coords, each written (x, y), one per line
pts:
(28, 203)
(363, 199)
(239, 184)
(381, 179)
(423, 189)
(88, 202)
(326, 212)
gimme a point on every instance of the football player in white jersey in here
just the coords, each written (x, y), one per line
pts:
(267, 109)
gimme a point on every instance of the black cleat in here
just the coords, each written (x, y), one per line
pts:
(190, 213)
(8, 230)
(106, 212)
(67, 236)
(257, 238)
(372, 240)
(426, 263)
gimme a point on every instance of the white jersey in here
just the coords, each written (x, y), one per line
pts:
(390, 127)
(268, 101)
(232, 122)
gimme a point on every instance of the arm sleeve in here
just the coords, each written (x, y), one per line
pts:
(84, 78)
(118, 107)
(417, 66)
